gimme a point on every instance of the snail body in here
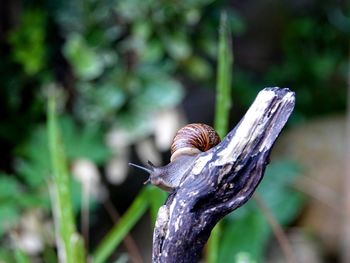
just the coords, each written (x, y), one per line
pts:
(188, 142)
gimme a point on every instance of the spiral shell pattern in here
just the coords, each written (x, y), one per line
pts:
(192, 139)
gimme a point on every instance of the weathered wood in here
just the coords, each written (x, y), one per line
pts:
(220, 180)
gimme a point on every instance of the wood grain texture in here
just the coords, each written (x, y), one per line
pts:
(220, 180)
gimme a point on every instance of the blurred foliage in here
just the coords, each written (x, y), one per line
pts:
(131, 55)
(247, 229)
(314, 64)
(28, 41)
(313, 61)
(118, 63)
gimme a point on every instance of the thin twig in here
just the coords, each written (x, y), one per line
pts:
(128, 241)
(277, 230)
(345, 231)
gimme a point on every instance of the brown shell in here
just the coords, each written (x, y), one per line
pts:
(195, 135)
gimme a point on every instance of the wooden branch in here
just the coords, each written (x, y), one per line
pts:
(220, 180)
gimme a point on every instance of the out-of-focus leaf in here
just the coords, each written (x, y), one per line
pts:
(177, 44)
(277, 192)
(86, 62)
(128, 11)
(84, 142)
(9, 216)
(76, 193)
(50, 255)
(6, 255)
(158, 93)
(34, 164)
(21, 257)
(9, 187)
(323, 65)
(236, 22)
(198, 68)
(28, 41)
(100, 101)
(153, 52)
(244, 258)
(248, 234)
(246, 229)
(34, 199)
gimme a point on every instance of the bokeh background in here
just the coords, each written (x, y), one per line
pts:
(129, 74)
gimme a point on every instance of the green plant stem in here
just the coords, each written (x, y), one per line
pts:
(69, 241)
(222, 111)
(223, 84)
(118, 232)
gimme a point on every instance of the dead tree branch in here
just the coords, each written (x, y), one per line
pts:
(220, 180)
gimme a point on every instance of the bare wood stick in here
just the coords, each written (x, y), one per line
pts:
(220, 180)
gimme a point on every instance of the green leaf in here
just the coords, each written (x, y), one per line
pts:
(21, 257)
(244, 257)
(247, 229)
(177, 45)
(9, 216)
(118, 232)
(248, 234)
(283, 200)
(158, 92)
(6, 255)
(86, 62)
(9, 187)
(198, 68)
(28, 41)
(82, 142)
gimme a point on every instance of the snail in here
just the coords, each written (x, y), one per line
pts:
(188, 142)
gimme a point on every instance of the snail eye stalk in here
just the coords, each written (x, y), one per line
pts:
(148, 170)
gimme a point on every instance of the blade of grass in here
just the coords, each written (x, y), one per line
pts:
(69, 240)
(222, 111)
(223, 83)
(118, 232)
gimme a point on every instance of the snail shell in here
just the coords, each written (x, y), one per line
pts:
(193, 139)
